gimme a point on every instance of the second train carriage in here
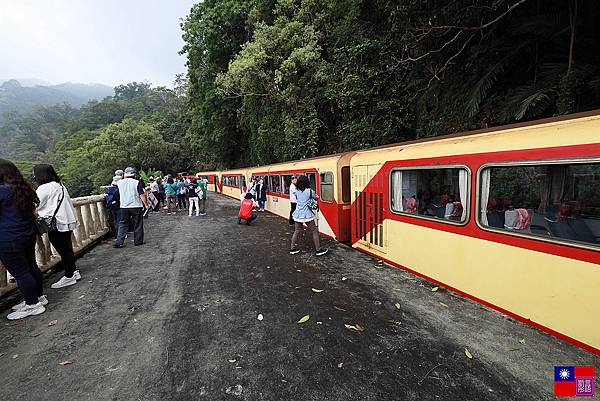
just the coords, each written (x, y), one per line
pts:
(509, 217)
(330, 179)
(213, 180)
(233, 182)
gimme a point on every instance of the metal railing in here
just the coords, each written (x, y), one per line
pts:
(93, 225)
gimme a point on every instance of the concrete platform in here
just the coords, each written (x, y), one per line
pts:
(176, 319)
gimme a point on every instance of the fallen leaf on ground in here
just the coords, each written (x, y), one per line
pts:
(316, 290)
(67, 362)
(339, 365)
(35, 334)
(1, 354)
(15, 356)
(397, 305)
(304, 319)
(297, 287)
(514, 349)
(434, 289)
(81, 297)
(468, 354)
(52, 322)
(522, 341)
(355, 327)
(232, 360)
(260, 316)
(443, 304)
(344, 278)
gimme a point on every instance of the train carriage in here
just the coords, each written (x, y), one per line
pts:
(509, 217)
(233, 182)
(330, 179)
(213, 180)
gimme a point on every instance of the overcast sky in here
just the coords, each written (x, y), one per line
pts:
(100, 41)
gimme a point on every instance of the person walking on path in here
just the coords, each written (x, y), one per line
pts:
(202, 194)
(247, 209)
(161, 193)
(154, 190)
(132, 202)
(171, 191)
(112, 202)
(55, 201)
(193, 197)
(261, 195)
(181, 194)
(306, 213)
(18, 201)
(293, 200)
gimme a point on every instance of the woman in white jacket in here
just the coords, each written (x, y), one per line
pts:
(54, 198)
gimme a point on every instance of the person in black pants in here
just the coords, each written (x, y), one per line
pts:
(293, 199)
(132, 201)
(55, 201)
(17, 239)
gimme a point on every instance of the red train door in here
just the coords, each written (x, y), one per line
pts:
(369, 207)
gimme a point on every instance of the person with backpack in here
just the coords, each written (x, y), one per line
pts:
(112, 202)
(193, 197)
(181, 193)
(132, 201)
(247, 209)
(306, 212)
(56, 202)
(18, 202)
(161, 193)
(171, 191)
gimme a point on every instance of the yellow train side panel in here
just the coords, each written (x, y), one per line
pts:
(534, 284)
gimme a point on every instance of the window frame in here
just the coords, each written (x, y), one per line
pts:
(466, 206)
(343, 187)
(321, 186)
(271, 187)
(530, 163)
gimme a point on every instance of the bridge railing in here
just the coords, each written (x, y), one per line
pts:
(93, 225)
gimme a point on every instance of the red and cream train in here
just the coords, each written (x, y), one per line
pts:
(509, 217)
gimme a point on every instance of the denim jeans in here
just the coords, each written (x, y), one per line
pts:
(18, 257)
(136, 215)
(248, 221)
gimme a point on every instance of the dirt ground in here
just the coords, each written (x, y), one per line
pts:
(177, 319)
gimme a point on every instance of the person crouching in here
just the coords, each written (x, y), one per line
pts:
(247, 209)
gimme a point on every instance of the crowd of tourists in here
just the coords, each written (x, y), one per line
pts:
(26, 212)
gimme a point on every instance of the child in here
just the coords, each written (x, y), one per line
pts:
(247, 209)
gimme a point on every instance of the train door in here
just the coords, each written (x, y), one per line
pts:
(369, 207)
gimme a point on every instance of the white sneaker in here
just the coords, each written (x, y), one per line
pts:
(43, 300)
(27, 310)
(77, 275)
(64, 282)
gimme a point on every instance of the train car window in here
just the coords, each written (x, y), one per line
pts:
(275, 184)
(438, 193)
(243, 181)
(287, 181)
(346, 184)
(312, 178)
(327, 188)
(558, 201)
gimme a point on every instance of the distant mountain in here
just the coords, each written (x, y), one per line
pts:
(28, 81)
(16, 97)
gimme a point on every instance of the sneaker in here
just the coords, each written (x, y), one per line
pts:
(27, 310)
(64, 282)
(118, 246)
(76, 275)
(43, 300)
(294, 251)
(202, 214)
(322, 252)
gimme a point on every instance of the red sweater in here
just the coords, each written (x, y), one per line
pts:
(246, 208)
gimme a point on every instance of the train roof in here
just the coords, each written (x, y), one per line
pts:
(495, 129)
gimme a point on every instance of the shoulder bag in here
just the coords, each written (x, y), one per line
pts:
(47, 224)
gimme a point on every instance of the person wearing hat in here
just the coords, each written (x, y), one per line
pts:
(132, 201)
(112, 202)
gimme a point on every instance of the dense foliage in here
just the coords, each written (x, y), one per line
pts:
(139, 126)
(272, 80)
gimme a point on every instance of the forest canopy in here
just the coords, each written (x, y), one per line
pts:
(276, 80)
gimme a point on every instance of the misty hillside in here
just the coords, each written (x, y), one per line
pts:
(15, 97)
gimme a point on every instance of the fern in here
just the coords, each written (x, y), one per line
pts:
(481, 88)
(533, 104)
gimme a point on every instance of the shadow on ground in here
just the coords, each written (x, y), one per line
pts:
(176, 319)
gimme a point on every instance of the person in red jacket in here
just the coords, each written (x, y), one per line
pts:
(247, 209)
